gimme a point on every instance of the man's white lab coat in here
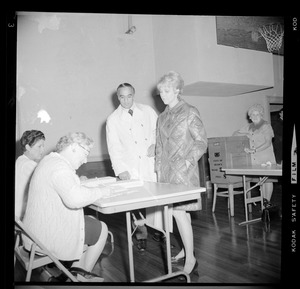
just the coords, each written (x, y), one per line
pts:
(128, 139)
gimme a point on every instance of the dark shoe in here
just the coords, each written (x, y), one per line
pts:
(142, 244)
(60, 278)
(267, 203)
(85, 276)
(161, 238)
(158, 237)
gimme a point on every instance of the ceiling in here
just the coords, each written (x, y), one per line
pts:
(243, 31)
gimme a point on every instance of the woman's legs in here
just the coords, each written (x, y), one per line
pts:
(93, 252)
(181, 254)
(183, 221)
(267, 191)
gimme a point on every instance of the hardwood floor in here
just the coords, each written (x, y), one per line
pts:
(226, 252)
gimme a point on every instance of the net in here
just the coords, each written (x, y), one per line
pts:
(273, 34)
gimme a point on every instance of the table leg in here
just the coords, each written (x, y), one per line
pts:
(252, 199)
(245, 197)
(130, 250)
(168, 242)
(262, 192)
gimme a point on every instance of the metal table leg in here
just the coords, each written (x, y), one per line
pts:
(130, 250)
(247, 200)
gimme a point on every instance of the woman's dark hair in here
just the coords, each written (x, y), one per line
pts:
(30, 137)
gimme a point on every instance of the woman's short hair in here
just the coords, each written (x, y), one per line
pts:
(125, 84)
(30, 137)
(172, 78)
(256, 107)
(74, 137)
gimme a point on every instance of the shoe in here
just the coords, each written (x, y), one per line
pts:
(85, 276)
(60, 278)
(142, 244)
(176, 260)
(158, 237)
(192, 272)
(267, 203)
(161, 238)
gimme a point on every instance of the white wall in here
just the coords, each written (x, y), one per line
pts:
(71, 64)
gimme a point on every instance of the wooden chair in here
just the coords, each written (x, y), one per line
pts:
(228, 193)
(33, 259)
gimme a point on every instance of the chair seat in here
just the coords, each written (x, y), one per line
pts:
(39, 260)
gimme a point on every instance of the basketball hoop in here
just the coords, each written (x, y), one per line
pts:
(273, 34)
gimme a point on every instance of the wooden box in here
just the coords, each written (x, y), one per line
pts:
(227, 151)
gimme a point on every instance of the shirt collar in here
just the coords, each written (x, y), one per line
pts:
(174, 109)
(133, 107)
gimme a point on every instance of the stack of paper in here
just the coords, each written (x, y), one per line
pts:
(95, 182)
(128, 184)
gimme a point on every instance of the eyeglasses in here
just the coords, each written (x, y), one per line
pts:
(88, 152)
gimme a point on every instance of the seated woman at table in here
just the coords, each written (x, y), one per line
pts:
(32, 146)
(181, 141)
(55, 205)
(260, 134)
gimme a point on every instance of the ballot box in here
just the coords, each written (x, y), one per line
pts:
(227, 152)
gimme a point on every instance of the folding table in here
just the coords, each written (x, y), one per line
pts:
(150, 194)
(261, 171)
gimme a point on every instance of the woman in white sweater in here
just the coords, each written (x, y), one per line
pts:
(55, 205)
(32, 146)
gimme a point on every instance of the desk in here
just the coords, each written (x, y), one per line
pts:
(263, 172)
(151, 194)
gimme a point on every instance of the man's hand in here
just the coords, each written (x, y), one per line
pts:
(249, 151)
(124, 176)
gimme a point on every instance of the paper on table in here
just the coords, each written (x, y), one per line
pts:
(118, 188)
(95, 182)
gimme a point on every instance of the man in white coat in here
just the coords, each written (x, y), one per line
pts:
(131, 134)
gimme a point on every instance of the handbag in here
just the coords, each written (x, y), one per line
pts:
(271, 213)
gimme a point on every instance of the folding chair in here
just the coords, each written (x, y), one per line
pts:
(33, 259)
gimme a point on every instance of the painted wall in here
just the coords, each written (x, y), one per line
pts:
(69, 65)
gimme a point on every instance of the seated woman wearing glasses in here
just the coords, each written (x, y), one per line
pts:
(55, 207)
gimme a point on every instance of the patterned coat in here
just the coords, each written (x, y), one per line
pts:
(181, 142)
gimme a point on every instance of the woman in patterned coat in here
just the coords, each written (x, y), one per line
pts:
(181, 142)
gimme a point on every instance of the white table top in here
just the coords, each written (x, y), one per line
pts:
(254, 170)
(149, 195)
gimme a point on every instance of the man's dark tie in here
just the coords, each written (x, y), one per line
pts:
(130, 111)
